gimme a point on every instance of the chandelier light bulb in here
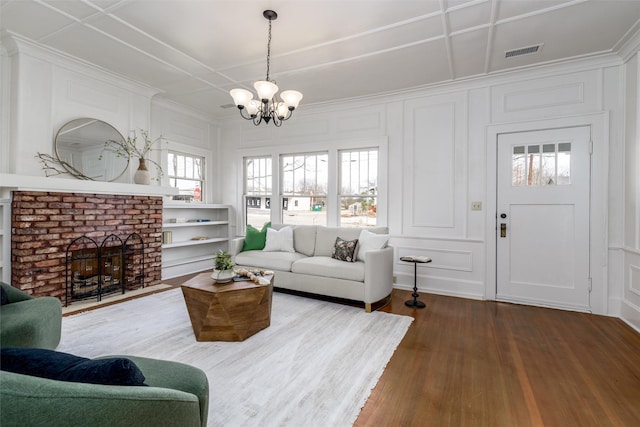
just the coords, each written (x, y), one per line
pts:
(253, 107)
(266, 90)
(241, 97)
(281, 110)
(291, 98)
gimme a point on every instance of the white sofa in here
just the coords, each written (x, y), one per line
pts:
(311, 269)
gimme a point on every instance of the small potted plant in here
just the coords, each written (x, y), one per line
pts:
(223, 267)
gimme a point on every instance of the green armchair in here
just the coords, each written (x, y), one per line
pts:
(26, 321)
(177, 395)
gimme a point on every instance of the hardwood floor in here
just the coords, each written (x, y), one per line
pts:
(482, 363)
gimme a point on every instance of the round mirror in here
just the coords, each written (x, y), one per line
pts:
(79, 145)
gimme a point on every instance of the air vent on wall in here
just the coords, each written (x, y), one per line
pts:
(228, 106)
(523, 51)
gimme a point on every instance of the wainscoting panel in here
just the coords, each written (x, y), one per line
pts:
(630, 307)
(83, 92)
(634, 279)
(444, 259)
(546, 97)
(434, 157)
(365, 120)
(457, 266)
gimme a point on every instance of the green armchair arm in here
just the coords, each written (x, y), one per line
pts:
(15, 294)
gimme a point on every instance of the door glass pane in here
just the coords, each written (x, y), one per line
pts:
(533, 165)
(564, 163)
(518, 167)
(549, 164)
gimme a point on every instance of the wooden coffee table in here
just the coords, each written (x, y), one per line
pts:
(227, 311)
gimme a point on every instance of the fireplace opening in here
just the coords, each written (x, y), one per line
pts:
(96, 269)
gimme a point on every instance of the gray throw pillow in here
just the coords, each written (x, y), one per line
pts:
(344, 250)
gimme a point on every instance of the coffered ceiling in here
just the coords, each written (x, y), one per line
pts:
(195, 51)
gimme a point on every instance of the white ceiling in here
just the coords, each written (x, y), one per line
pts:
(195, 51)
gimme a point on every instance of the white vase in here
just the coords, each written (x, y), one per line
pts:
(142, 175)
(222, 276)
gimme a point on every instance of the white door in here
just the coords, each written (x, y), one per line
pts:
(542, 219)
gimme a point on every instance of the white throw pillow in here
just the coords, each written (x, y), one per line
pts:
(279, 240)
(369, 241)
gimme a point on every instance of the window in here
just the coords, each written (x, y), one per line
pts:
(186, 172)
(358, 187)
(541, 165)
(257, 190)
(304, 188)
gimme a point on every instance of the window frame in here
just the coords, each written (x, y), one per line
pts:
(332, 147)
(293, 195)
(245, 194)
(207, 156)
(342, 195)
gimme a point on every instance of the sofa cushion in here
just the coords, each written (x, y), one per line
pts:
(255, 239)
(60, 366)
(268, 260)
(344, 250)
(329, 267)
(369, 241)
(279, 240)
(304, 237)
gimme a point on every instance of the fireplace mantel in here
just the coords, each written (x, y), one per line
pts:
(13, 182)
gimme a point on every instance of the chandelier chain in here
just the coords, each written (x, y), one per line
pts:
(269, 50)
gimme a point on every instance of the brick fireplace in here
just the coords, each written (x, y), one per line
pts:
(43, 224)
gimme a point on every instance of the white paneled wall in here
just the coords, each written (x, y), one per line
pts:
(628, 251)
(47, 91)
(435, 153)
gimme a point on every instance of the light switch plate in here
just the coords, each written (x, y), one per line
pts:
(476, 206)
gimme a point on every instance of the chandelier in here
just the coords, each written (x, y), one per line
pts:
(267, 107)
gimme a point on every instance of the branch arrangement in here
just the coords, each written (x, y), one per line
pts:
(53, 166)
(129, 148)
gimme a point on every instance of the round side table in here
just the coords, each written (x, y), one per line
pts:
(415, 260)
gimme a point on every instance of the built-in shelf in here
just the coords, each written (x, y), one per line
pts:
(194, 242)
(168, 225)
(191, 260)
(184, 250)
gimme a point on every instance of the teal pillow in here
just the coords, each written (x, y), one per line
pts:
(254, 239)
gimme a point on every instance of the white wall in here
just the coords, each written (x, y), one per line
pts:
(47, 91)
(626, 247)
(191, 132)
(441, 157)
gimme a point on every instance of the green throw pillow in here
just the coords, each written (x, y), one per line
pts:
(255, 239)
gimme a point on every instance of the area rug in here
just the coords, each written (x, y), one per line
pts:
(314, 366)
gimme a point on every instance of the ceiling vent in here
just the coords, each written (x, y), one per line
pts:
(228, 106)
(523, 51)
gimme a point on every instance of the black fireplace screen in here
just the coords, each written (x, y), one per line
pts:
(94, 270)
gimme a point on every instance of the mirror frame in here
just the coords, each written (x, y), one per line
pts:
(80, 123)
